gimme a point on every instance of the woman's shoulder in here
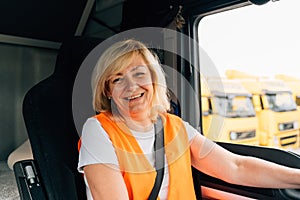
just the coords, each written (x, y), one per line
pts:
(172, 116)
(93, 128)
(91, 120)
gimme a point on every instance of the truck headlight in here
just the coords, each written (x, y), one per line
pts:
(242, 135)
(288, 126)
(233, 135)
(281, 127)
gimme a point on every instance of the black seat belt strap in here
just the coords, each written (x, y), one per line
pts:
(159, 151)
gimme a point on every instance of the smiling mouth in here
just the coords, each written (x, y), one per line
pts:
(134, 97)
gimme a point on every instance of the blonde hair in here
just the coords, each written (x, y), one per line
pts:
(115, 59)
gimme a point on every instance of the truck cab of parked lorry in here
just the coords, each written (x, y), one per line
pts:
(228, 114)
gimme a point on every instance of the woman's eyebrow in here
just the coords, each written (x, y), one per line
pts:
(137, 67)
(117, 74)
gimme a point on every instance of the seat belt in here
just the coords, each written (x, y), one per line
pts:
(159, 151)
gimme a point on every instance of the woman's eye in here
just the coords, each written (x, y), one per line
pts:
(139, 74)
(117, 80)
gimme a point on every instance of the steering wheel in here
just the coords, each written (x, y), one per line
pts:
(290, 194)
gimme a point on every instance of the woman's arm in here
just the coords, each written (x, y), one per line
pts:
(216, 161)
(105, 182)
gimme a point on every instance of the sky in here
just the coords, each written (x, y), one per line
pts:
(260, 40)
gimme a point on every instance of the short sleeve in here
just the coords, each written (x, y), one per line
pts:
(191, 131)
(96, 147)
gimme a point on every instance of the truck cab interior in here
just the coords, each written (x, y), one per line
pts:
(45, 45)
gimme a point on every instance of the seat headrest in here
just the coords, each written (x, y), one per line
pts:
(72, 53)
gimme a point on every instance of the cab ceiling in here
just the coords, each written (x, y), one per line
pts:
(56, 20)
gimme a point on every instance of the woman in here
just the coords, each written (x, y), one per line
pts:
(117, 146)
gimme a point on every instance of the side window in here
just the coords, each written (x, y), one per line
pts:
(254, 50)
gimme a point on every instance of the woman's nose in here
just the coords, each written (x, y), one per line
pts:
(131, 83)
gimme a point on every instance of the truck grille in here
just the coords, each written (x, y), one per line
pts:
(288, 140)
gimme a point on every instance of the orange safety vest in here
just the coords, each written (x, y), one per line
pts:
(139, 175)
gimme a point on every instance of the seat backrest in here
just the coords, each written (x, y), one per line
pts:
(47, 112)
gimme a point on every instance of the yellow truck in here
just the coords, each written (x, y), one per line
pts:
(294, 84)
(228, 114)
(275, 107)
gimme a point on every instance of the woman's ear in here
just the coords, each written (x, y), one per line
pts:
(108, 94)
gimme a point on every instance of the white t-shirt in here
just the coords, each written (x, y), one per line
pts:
(96, 147)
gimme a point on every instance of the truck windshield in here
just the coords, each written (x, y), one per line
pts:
(282, 101)
(237, 106)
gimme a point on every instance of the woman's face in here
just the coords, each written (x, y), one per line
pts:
(132, 89)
